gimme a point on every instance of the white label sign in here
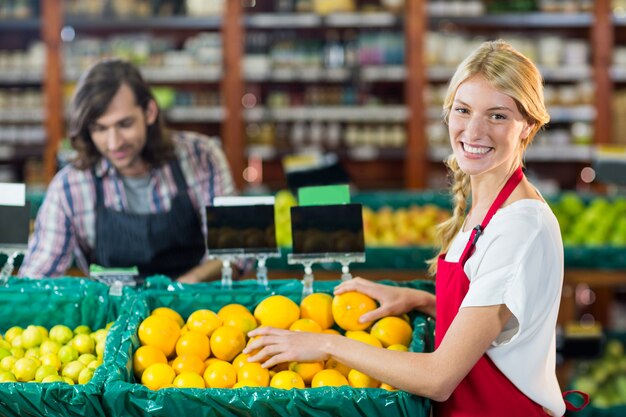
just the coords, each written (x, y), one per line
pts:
(12, 194)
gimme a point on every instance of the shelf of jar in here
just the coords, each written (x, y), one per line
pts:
(358, 153)
(313, 20)
(196, 114)
(166, 75)
(21, 151)
(440, 73)
(21, 75)
(392, 73)
(144, 23)
(11, 24)
(518, 20)
(22, 115)
(539, 153)
(386, 113)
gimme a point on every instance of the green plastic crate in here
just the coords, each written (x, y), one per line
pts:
(122, 396)
(48, 302)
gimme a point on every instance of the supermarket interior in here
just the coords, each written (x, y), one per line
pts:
(314, 103)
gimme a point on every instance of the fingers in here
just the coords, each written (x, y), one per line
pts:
(357, 284)
(373, 315)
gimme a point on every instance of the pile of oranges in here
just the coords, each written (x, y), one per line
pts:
(205, 351)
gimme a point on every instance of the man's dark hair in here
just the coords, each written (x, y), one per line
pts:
(94, 92)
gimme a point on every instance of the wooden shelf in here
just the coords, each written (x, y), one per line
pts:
(138, 24)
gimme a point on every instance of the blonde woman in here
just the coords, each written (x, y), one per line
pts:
(499, 271)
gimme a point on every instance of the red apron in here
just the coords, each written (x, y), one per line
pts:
(485, 391)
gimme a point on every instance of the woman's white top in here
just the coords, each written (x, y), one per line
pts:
(518, 261)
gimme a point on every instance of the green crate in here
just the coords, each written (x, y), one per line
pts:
(122, 396)
(47, 302)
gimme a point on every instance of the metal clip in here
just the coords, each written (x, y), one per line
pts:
(479, 231)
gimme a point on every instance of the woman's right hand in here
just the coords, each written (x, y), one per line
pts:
(392, 300)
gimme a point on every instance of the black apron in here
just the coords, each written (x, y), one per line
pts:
(169, 243)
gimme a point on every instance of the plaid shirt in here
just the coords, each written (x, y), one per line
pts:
(66, 222)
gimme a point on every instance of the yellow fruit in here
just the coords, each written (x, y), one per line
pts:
(61, 334)
(193, 343)
(10, 334)
(45, 370)
(255, 373)
(6, 363)
(24, 369)
(31, 337)
(234, 308)
(240, 360)
(333, 364)
(277, 311)
(328, 378)
(158, 375)
(82, 329)
(72, 370)
(220, 374)
(188, 363)
(6, 376)
(145, 356)
(85, 375)
(53, 378)
(168, 312)
(160, 332)
(305, 325)
(318, 306)
(364, 337)
(330, 331)
(242, 321)
(227, 342)
(49, 346)
(50, 359)
(189, 380)
(287, 380)
(387, 387)
(306, 369)
(348, 307)
(400, 348)
(203, 321)
(392, 331)
(358, 379)
(83, 343)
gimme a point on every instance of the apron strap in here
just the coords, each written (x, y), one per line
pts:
(505, 193)
(177, 173)
(571, 406)
(99, 190)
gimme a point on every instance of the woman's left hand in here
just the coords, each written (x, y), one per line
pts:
(278, 345)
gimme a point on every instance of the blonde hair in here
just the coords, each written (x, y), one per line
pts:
(511, 73)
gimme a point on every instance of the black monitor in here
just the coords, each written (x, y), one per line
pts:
(328, 229)
(245, 229)
(14, 225)
(328, 174)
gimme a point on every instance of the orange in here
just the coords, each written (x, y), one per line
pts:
(364, 337)
(277, 311)
(305, 325)
(227, 342)
(331, 331)
(358, 379)
(387, 387)
(220, 374)
(398, 347)
(287, 380)
(392, 331)
(253, 372)
(188, 380)
(306, 369)
(240, 360)
(328, 378)
(203, 321)
(161, 332)
(158, 375)
(145, 356)
(168, 312)
(334, 364)
(193, 343)
(230, 309)
(348, 307)
(318, 306)
(188, 363)
(242, 321)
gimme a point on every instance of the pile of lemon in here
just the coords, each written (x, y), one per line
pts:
(205, 351)
(60, 354)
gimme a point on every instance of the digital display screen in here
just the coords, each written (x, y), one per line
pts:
(14, 225)
(249, 228)
(324, 175)
(327, 229)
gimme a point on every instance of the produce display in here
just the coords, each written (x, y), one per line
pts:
(58, 354)
(205, 350)
(604, 379)
(596, 223)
